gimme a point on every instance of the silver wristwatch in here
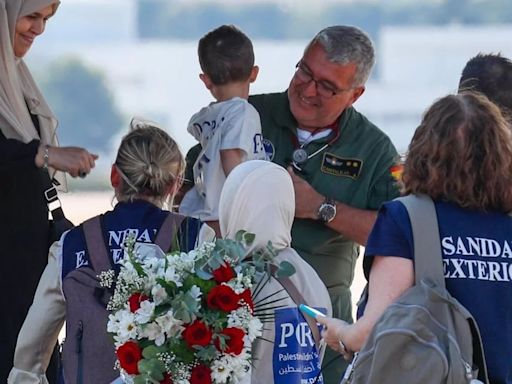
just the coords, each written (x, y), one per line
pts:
(327, 211)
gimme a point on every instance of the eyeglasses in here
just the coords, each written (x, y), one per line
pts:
(324, 88)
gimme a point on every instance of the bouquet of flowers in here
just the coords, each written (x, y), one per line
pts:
(188, 318)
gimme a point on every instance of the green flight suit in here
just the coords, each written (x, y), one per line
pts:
(353, 169)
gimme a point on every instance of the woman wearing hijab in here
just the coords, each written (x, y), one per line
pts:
(29, 156)
(258, 197)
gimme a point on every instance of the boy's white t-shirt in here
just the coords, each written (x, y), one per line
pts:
(230, 124)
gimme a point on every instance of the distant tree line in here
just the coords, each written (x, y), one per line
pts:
(83, 103)
(187, 20)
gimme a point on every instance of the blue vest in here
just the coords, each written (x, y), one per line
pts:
(139, 219)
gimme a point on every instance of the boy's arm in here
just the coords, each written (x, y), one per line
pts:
(230, 158)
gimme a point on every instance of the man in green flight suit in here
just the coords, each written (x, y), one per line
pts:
(339, 161)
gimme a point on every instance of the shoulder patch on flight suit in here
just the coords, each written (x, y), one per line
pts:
(338, 166)
(269, 149)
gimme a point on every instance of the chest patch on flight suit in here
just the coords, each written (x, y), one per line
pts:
(338, 166)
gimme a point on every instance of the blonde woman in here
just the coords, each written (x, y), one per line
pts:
(145, 177)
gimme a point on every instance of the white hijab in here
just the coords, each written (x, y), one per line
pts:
(258, 197)
(17, 87)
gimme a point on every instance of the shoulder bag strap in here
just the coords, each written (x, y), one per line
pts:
(167, 234)
(96, 247)
(297, 297)
(52, 197)
(425, 233)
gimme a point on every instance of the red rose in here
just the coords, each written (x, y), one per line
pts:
(201, 374)
(197, 333)
(223, 274)
(129, 355)
(234, 340)
(167, 379)
(246, 297)
(224, 298)
(135, 301)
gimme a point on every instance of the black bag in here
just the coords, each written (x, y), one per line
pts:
(59, 223)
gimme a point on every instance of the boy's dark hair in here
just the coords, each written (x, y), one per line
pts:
(226, 55)
(490, 74)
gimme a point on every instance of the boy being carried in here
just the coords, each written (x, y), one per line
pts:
(229, 129)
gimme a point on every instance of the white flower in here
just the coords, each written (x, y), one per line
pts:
(195, 292)
(154, 332)
(127, 329)
(227, 366)
(145, 312)
(146, 251)
(240, 366)
(188, 260)
(159, 294)
(172, 275)
(255, 329)
(220, 370)
(170, 324)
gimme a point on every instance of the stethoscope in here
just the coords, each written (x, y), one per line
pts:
(300, 156)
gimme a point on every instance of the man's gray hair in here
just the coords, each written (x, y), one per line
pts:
(346, 44)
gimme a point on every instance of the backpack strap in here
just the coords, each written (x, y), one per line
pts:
(425, 234)
(427, 247)
(167, 234)
(297, 297)
(95, 243)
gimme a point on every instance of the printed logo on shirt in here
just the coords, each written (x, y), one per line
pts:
(116, 240)
(269, 149)
(477, 258)
(295, 357)
(339, 166)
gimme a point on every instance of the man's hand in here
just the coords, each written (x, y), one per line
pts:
(353, 223)
(307, 200)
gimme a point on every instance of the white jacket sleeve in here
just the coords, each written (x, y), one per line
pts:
(42, 325)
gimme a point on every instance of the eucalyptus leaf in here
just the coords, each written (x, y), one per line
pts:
(239, 236)
(143, 379)
(203, 274)
(151, 352)
(248, 238)
(207, 353)
(152, 367)
(285, 269)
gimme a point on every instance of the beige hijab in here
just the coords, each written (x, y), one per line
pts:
(18, 88)
(258, 197)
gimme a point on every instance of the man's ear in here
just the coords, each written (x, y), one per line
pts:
(357, 94)
(206, 80)
(115, 177)
(254, 73)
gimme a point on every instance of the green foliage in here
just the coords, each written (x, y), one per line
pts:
(83, 104)
(285, 269)
(152, 367)
(207, 353)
